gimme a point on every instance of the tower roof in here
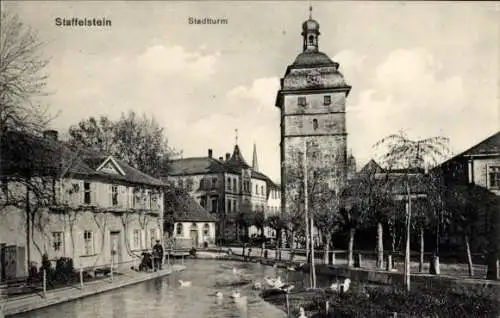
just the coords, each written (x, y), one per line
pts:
(236, 159)
(313, 59)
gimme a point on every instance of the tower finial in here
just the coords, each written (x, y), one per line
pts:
(236, 136)
(310, 10)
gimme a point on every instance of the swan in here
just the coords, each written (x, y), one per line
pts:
(302, 313)
(184, 283)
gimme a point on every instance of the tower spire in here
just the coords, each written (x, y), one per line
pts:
(255, 163)
(236, 136)
(310, 10)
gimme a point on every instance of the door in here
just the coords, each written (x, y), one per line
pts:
(194, 235)
(115, 249)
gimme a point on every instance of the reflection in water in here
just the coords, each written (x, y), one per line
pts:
(163, 297)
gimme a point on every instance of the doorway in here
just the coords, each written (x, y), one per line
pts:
(115, 249)
(194, 235)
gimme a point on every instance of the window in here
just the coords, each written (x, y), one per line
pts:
(214, 183)
(262, 190)
(137, 239)
(327, 100)
(114, 195)
(179, 229)
(229, 183)
(88, 243)
(86, 193)
(206, 229)
(189, 184)
(315, 124)
(180, 183)
(214, 205)
(234, 185)
(311, 39)
(256, 189)
(152, 235)
(229, 206)
(57, 241)
(203, 202)
(302, 101)
(494, 176)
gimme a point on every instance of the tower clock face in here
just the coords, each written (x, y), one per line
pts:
(313, 78)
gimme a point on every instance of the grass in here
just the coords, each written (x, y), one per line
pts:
(383, 301)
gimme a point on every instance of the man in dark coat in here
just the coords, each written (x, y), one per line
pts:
(157, 255)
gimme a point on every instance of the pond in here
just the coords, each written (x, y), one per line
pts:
(164, 297)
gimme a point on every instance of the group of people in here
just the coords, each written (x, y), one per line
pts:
(154, 260)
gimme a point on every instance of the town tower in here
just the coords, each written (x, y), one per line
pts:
(312, 100)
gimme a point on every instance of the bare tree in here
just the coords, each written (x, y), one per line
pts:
(22, 77)
(412, 156)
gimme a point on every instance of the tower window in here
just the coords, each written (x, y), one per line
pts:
(315, 124)
(311, 39)
(302, 101)
(327, 100)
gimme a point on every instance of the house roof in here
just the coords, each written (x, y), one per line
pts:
(184, 208)
(32, 155)
(489, 146)
(196, 165)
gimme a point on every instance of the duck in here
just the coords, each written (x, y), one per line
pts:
(302, 313)
(184, 283)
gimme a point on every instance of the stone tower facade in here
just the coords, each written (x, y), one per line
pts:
(312, 102)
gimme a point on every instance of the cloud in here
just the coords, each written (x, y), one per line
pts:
(262, 93)
(406, 93)
(176, 61)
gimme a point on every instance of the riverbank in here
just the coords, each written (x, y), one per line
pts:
(32, 302)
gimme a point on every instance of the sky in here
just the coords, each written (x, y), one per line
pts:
(427, 68)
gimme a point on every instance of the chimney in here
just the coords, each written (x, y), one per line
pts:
(50, 134)
(221, 158)
(209, 153)
(228, 155)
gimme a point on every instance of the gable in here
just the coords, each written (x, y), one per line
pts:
(110, 166)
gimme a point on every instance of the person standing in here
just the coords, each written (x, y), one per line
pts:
(157, 255)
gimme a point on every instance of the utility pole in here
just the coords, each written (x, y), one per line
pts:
(306, 203)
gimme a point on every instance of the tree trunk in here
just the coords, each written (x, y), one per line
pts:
(469, 256)
(380, 246)
(326, 257)
(350, 260)
(28, 231)
(422, 250)
(292, 247)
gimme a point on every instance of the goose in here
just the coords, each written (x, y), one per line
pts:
(302, 313)
(184, 283)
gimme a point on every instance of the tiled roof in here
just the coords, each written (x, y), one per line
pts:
(185, 208)
(23, 153)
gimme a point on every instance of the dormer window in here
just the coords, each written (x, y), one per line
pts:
(302, 101)
(327, 100)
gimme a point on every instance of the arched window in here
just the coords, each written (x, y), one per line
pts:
(315, 124)
(179, 228)
(262, 190)
(229, 183)
(311, 39)
(206, 229)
